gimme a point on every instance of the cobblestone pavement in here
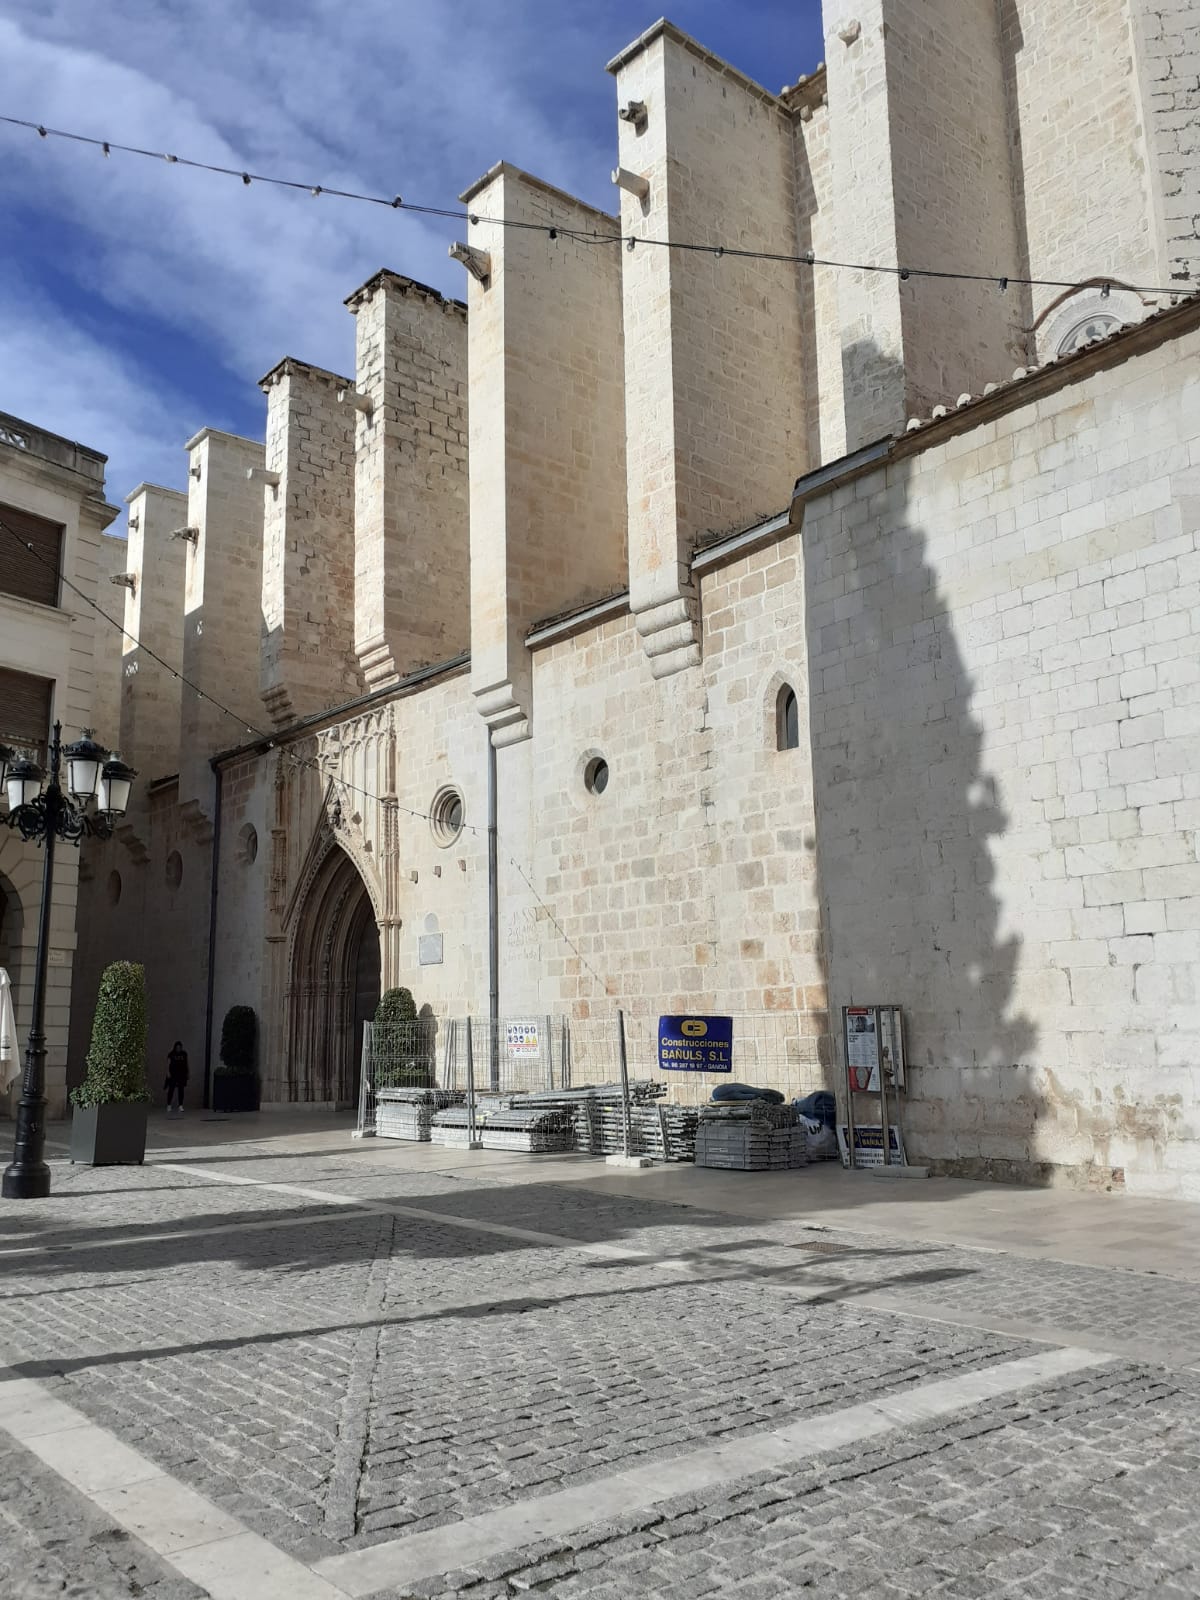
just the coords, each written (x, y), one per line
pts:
(54, 1542)
(363, 1354)
(1084, 1489)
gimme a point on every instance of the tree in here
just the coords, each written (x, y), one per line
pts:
(116, 1062)
(239, 1040)
(399, 1049)
(397, 1005)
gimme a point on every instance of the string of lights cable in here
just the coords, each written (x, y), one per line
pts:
(1001, 280)
(303, 762)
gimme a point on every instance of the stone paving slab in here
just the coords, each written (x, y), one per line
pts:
(1128, 1306)
(624, 1373)
(336, 1377)
(1133, 1232)
(338, 1382)
(231, 1359)
(1038, 1293)
(1083, 1490)
(90, 1204)
(55, 1541)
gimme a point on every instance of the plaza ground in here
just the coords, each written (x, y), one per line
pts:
(278, 1362)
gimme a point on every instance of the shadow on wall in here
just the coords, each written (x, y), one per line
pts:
(908, 821)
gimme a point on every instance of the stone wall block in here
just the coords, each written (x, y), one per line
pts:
(410, 490)
(714, 346)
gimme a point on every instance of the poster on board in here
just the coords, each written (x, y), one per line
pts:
(862, 1049)
(868, 1146)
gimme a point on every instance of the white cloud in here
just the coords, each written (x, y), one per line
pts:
(253, 269)
(384, 95)
(55, 374)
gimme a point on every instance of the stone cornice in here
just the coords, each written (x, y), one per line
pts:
(507, 170)
(664, 29)
(386, 278)
(290, 366)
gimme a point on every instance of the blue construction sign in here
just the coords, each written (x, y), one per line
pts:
(695, 1044)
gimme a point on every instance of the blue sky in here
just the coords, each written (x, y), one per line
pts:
(140, 302)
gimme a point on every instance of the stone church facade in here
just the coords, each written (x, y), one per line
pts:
(677, 630)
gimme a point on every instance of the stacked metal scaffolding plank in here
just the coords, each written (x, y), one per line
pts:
(663, 1132)
(589, 1120)
(454, 1136)
(409, 1113)
(502, 1125)
(750, 1136)
(547, 1134)
(599, 1118)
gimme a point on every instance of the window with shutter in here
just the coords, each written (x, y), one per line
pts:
(31, 574)
(25, 703)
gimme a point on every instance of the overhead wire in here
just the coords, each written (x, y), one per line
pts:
(1000, 278)
(312, 763)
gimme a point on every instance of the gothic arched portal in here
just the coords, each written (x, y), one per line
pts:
(333, 985)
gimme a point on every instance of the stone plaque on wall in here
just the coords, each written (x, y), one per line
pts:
(429, 949)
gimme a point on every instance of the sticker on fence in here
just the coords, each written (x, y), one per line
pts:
(523, 1040)
(695, 1044)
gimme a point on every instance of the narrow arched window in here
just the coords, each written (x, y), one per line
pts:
(787, 720)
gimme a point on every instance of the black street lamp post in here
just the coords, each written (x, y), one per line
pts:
(44, 815)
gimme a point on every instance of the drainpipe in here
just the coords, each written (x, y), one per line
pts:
(493, 921)
(212, 934)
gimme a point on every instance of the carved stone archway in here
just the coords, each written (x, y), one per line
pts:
(329, 983)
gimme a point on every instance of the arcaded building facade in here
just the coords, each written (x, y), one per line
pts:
(681, 630)
(55, 665)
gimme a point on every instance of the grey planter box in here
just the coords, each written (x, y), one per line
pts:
(109, 1135)
(235, 1091)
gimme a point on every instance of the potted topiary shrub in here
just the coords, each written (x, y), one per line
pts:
(235, 1082)
(110, 1106)
(398, 1051)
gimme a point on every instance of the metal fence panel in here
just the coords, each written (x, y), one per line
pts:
(531, 1053)
(365, 1126)
(403, 1065)
(473, 1063)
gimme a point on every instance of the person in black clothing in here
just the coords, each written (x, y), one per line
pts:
(177, 1077)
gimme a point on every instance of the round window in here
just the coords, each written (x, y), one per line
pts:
(595, 775)
(446, 816)
(247, 844)
(174, 869)
(113, 889)
(1098, 326)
